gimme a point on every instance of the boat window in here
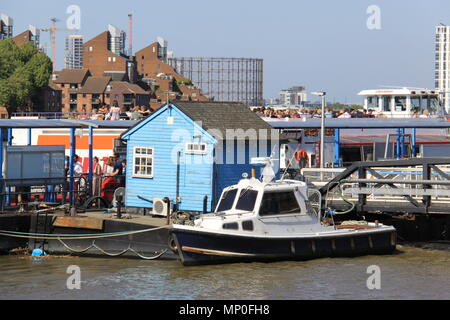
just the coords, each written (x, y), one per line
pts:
(387, 104)
(247, 225)
(276, 203)
(432, 104)
(230, 226)
(415, 104)
(372, 103)
(227, 200)
(247, 200)
(400, 103)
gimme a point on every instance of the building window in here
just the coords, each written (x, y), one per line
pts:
(195, 148)
(143, 162)
(90, 49)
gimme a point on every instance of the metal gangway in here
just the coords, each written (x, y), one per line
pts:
(419, 185)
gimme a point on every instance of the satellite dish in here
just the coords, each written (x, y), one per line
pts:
(119, 197)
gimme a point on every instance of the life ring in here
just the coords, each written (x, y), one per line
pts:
(301, 154)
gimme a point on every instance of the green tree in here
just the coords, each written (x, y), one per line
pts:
(24, 73)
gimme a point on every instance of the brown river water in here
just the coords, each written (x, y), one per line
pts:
(409, 273)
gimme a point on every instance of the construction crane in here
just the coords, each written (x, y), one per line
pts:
(52, 31)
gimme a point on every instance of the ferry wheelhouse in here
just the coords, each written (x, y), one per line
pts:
(403, 102)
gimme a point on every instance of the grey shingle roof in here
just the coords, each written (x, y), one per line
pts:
(225, 115)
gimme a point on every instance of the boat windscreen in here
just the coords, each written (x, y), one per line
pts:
(227, 200)
(276, 203)
(247, 200)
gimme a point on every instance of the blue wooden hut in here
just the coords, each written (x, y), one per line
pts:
(190, 151)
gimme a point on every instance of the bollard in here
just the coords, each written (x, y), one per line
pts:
(73, 211)
(119, 206)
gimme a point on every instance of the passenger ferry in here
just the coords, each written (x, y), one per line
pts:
(403, 102)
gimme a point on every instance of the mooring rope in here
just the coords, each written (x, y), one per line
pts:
(49, 236)
(93, 245)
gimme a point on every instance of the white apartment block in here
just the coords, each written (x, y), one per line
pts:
(442, 64)
(74, 52)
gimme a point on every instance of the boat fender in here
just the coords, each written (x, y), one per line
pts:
(172, 245)
(38, 253)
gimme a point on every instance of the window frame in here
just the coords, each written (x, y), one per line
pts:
(262, 216)
(147, 156)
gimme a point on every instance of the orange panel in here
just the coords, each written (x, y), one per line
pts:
(99, 142)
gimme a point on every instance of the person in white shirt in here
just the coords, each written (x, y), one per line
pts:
(115, 111)
(77, 171)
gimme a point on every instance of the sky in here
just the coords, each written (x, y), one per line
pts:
(341, 47)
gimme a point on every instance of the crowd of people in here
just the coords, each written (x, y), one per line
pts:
(267, 112)
(115, 112)
(113, 168)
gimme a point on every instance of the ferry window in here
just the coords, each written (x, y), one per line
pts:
(433, 104)
(247, 200)
(372, 103)
(415, 104)
(143, 162)
(276, 203)
(227, 200)
(400, 103)
(387, 104)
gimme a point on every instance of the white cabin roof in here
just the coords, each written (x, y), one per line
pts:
(398, 92)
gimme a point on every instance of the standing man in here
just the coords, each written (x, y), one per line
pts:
(118, 169)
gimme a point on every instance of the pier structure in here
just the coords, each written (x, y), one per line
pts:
(404, 180)
(72, 125)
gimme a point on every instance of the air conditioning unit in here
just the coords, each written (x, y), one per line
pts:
(160, 207)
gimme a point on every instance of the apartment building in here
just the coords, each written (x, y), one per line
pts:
(442, 64)
(73, 52)
(104, 54)
(6, 27)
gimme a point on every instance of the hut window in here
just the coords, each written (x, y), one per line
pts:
(143, 162)
(195, 148)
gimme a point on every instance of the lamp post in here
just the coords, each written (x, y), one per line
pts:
(322, 126)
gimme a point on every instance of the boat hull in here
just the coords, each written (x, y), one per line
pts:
(199, 247)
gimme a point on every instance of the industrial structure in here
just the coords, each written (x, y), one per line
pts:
(74, 52)
(224, 79)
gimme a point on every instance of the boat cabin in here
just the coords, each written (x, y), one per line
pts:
(253, 206)
(403, 102)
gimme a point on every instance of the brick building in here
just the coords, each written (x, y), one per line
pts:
(153, 70)
(101, 56)
(93, 93)
(70, 82)
(30, 35)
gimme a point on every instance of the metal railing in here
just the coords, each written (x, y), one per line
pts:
(55, 193)
(72, 115)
